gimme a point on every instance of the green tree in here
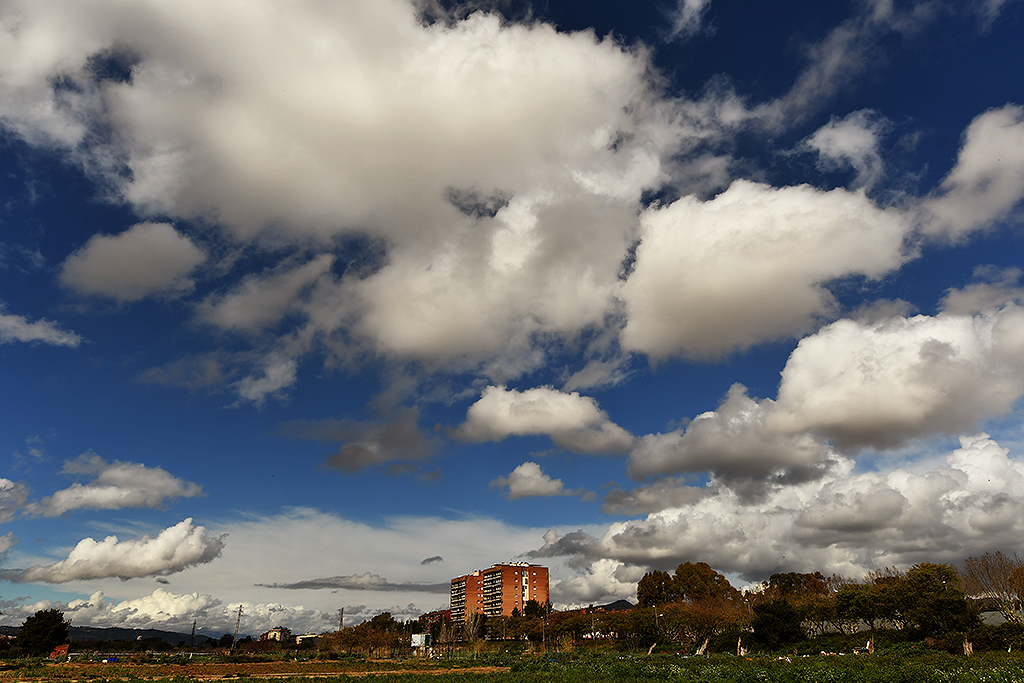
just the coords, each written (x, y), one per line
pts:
(655, 588)
(532, 608)
(810, 594)
(43, 631)
(856, 603)
(696, 581)
(384, 622)
(777, 623)
(934, 602)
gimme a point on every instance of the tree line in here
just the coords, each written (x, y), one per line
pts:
(928, 601)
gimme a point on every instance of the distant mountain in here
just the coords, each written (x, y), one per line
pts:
(79, 633)
(617, 606)
(94, 633)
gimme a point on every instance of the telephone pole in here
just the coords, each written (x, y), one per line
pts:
(234, 640)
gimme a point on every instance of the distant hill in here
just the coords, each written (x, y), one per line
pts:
(617, 606)
(79, 633)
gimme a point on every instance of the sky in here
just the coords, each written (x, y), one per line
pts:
(310, 305)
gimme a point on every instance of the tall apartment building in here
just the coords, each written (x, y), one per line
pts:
(498, 590)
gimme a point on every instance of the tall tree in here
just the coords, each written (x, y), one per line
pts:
(655, 588)
(935, 602)
(696, 581)
(810, 594)
(999, 578)
(856, 603)
(43, 631)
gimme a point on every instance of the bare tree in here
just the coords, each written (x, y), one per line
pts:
(473, 626)
(999, 578)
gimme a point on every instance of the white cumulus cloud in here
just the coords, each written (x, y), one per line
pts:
(146, 259)
(529, 481)
(500, 163)
(987, 183)
(573, 421)
(845, 521)
(880, 384)
(736, 441)
(850, 386)
(115, 485)
(750, 266)
(852, 142)
(173, 550)
(165, 610)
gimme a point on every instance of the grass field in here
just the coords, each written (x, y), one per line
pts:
(557, 668)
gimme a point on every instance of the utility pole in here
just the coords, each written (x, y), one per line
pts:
(341, 619)
(234, 640)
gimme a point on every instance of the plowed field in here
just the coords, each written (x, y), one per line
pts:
(215, 671)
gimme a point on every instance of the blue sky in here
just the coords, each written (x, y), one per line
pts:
(315, 305)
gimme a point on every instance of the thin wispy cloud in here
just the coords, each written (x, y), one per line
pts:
(361, 582)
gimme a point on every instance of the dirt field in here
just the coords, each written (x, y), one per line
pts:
(214, 671)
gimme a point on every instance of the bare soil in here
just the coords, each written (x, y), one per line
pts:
(74, 672)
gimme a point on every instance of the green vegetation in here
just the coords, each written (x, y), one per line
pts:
(915, 666)
(43, 631)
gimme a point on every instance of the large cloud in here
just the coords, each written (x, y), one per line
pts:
(854, 385)
(736, 441)
(573, 421)
(148, 258)
(844, 522)
(750, 266)
(173, 550)
(879, 384)
(502, 163)
(161, 609)
(115, 485)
